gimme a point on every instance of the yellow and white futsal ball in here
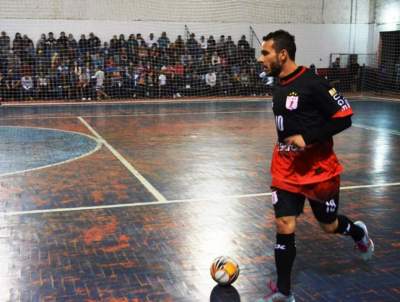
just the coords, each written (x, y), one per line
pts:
(224, 270)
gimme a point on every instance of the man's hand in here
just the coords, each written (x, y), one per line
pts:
(296, 140)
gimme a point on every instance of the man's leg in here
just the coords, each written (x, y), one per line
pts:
(326, 214)
(287, 207)
(285, 251)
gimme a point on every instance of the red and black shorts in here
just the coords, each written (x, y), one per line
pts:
(325, 210)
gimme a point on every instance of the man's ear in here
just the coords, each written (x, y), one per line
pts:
(283, 55)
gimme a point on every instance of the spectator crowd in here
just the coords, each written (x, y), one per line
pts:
(133, 67)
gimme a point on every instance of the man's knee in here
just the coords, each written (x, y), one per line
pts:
(329, 228)
(286, 225)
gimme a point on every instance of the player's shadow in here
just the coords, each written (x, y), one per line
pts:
(224, 294)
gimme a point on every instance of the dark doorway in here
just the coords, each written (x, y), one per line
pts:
(390, 59)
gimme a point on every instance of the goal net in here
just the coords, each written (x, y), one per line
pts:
(122, 49)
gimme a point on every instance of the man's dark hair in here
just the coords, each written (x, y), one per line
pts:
(282, 40)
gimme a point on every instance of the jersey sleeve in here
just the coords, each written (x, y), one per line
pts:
(329, 101)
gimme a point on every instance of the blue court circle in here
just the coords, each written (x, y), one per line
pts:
(27, 148)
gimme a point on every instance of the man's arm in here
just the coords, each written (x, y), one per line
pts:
(331, 127)
(334, 107)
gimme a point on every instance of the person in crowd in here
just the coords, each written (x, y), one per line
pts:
(99, 76)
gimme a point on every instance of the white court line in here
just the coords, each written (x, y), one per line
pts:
(394, 132)
(98, 146)
(362, 98)
(374, 98)
(151, 203)
(181, 113)
(127, 165)
(139, 114)
(141, 102)
(388, 184)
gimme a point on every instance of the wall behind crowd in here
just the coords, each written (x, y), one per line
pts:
(230, 11)
(332, 26)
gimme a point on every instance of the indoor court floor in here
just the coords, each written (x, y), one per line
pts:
(132, 202)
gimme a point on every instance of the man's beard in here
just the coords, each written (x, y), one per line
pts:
(275, 69)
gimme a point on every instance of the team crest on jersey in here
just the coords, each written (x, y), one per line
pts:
(292, 101)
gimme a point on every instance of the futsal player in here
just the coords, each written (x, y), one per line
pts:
(308, 112)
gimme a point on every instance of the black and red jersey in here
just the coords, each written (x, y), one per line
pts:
(303, 102)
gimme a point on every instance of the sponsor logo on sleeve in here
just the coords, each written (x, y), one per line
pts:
(341, 101)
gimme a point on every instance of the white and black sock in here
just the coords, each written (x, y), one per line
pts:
(347, 227)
